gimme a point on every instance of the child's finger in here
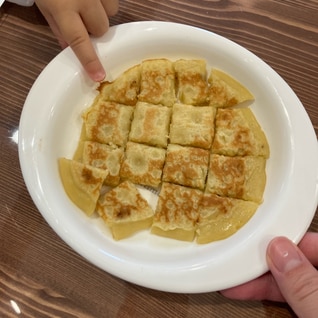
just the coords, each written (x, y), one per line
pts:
(110, 6)
(95, 18)
(74, 32)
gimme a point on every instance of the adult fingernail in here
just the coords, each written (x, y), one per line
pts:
(283, 254)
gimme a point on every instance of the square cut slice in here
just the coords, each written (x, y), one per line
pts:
(108, 122)
(82, 183)
(143, 164)
(192, 126)
(225, 91)
(104, 157)
(221, 217)
(177, 212)
(186, 166)
(124, 89)
(124, 210)
(150, 124)
(192, 81)
(157, 84)
(237, 177)
(237, 133)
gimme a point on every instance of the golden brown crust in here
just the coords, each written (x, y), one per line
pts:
(104, 157)
(186, 166)
(237, 133)
(220, 217)
(82, 183)
(150, 124)
(162, 123)
(125, 210)
(237, 177)
(124, 89)
(177, 212)
(191, 81)
(225, 91)
(157, 82)
(108, 123)
(143, 164)
(192, 126)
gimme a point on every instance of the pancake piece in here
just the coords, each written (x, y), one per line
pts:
(82, 183)
(150, 125)
(157, 82)
(186, 166)
(143, 164)
(220, 217)
(192, 126)
(192, 81)
(108, 122)
(165, 126)
(237, 177)
(124, 89)
(124, 210)
(177, 212)
(78, 154)
(237, 133)
(225, 91)
(104, 157)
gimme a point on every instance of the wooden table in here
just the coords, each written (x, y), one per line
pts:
(38, 271)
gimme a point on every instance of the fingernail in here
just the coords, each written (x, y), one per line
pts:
(283, 254)
(98, 76)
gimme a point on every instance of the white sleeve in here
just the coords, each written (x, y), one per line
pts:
(26, 3)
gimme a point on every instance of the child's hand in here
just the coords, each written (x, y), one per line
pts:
(73, 20)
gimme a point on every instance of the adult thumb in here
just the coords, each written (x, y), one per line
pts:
(295, 276)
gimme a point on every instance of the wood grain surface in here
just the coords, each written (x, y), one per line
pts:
(40, 275)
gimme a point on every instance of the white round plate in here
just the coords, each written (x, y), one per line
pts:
(50, 127)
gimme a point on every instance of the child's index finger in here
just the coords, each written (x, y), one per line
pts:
(74, 32)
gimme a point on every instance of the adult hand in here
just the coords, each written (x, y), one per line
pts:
(72, 21)
(292, 277)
